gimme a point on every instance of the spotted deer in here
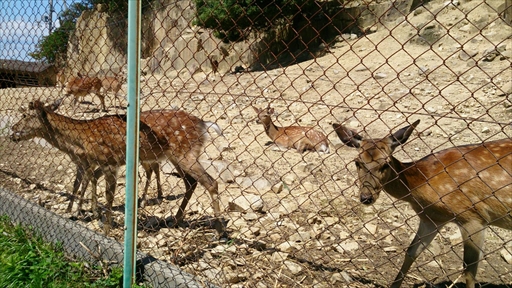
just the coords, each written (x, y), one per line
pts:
(297, 137)
(80, 86)
(101, 143)
(469, 185)
(112, 84)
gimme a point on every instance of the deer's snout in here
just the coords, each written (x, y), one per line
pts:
(368, 193)
(366, 199)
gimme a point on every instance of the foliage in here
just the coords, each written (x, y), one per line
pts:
(53, 48)
(27, 261)
(232, 20)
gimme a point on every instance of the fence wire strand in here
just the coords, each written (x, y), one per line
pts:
(270, 122)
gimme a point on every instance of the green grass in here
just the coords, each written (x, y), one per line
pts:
(27, 261)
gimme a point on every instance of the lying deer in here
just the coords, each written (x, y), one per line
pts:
(80, 86)
(172, 134)
(297, 137)
(469, 185)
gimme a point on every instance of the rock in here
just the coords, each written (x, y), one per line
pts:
(506, 255)
(470, 28)
(277, 188)
(260, 184)
(233, 277)
(300, 236)
(429, 35)
(379, 75)
(348, 245)
(371, 228)
(288, 206)
(246, 203)
(342, 277)
(279, 256)
(293, 267)
(465, 55)
(490, 54)
(423, 70)
(212, 273)
(286, 246)
(505, 89)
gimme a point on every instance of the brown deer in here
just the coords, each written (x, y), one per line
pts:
(80, 86)
(469, 185)
(171, 134)
(297, 137)
(112, 84)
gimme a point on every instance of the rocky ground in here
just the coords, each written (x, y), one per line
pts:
(295, 219)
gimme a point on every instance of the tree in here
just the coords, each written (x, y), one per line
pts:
(232, 20)
(52, 48)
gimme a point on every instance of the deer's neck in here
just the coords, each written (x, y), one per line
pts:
(61, 131)
(270, 128)
(398, 183)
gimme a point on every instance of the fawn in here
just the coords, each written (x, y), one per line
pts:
(469, 185)
(297, 137)
(171, 134)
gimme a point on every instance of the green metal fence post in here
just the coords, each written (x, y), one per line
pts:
(132, 139)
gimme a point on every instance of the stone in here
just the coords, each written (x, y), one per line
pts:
(506, 255)
(293, 267)
(465, 55)
(348, 245)
(505, 89)
(279, 256)
(277, 188)
(246, 203)
(288, 206)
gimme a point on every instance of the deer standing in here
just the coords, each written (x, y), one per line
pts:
(112, 84)
(172, 134)
(469, 185)
(297, 137)
(80, 86)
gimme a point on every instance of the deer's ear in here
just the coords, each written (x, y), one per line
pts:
(348, 136)
(270, 111)
(256, 110)
(401, 136)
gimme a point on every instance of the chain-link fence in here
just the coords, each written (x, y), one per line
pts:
(293, 208)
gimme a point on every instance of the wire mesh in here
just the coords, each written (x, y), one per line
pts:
(293, 216)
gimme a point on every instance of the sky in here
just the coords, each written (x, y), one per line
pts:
(22, 24)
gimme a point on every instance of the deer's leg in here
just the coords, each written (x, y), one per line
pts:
(94, 196)
(80, 171)
(425, 234)
(102, 99)
(190, 186)
(110, 179)
(198, 173)
(149, 171)
(156, 168)
(473, 235)
(85, 182)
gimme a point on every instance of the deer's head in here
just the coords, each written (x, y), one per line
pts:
(263, 115)
(31, 125)
(375, 165)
